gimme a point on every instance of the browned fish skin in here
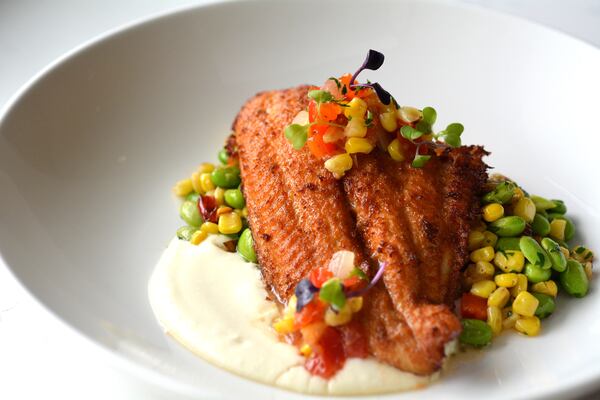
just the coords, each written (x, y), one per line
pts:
(416, 221)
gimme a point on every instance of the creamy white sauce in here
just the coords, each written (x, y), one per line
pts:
(215, 304)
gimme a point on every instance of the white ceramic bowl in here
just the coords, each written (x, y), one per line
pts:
(90, 149)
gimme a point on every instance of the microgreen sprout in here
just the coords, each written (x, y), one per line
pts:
(297, 135)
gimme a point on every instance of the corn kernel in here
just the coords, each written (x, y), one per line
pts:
(195, 178)
(284, 325)
(306, 350)
(517, 195)
(525, 208)
(219, 194)
(492, 212)
(198, 237)
(339, 164)
(475, 240)
(205, 167)
(549, 287)
(356, 128)
(525, 304)
(479, 226)
(358, 145)
(521, 285)
(565, 252)
(223, 210)
(472, 275)
(244, 212)
(489, 239)
(484, 268)
(355, 303)
(183, 187)
(588, 269)
(501, 261)
(557, 229)
(206, 183)
(483, 254)
(290, 308)
(510, 318)
(582, 254)
(409, 114)
(388, 121)
(499, 297)
(209, 227)
(506, 280)
(483, 288)
(341, 317)
(357, 108)
(515, 260)
(530, 326)
(230, 223)
(395, 150)
(494, 319)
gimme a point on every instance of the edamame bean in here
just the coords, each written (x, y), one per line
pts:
(508, 243)
(540, 225)
(542, 203)
(534, 253)
(475, 332)
(536, 273)
(234, 198)
(574, 280)
(190, 214)
(193, 197)
(558, 259)
(245, 246)
(508, 226)
(502, 193)
(226, 177)
(560, 207)
(223, 156)
(186, 232)
(546, 305)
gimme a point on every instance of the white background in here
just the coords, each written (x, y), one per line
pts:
(39, 358)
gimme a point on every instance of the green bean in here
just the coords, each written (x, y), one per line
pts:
(558, 259)
(560, 207)
(475, 333)
(223, 156)
(502, 193)
(226, 177)
(186, 232)
(542, 203)
(574, 280)
(534, 253)
(192, 196)
(245, 246)
(508, 243)
(540, 225)
(190, 214)
(235, 198)
(546, 305)
(536, 273)
(508, 226)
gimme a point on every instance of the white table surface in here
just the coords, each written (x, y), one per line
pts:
(39, 357)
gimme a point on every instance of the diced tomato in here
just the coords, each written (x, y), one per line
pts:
(353, 283)
(316, 144)
(311, 334)
(328, 355)
(319, 276)
(329, 111)
(354, 340)
(312, 312)
(472, 306)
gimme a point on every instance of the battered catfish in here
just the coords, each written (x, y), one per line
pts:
(414, 220)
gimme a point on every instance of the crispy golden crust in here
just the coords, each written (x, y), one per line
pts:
(414, 220)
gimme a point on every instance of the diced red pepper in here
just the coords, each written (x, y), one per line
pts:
(312, 111)
(472, 306)
(316, 144)
(353, 283)
(328, 355)
(207, 205)
(312, 312)
(329, 111)
(319, 276)
(354, 340)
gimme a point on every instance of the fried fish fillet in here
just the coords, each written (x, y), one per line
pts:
(416, 221)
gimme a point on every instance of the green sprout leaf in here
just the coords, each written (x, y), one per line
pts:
(337, 82)
(423, 126)
(410, 133)
(320, 96)
(332, 292)
(420, 160)
(455, 129)
(429, 115)
(297, 135)
(358, 272)
(451, 139)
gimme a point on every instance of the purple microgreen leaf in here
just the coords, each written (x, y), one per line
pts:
(373, 61)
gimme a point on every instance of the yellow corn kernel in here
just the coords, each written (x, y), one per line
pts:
(494, 319)
(356, 128)
(358, 145)
(306, 350)
(183, 187)
(530, 326)
(230, 223)
(588, 269)
(479, 226)
(549, 287)
(475, 240)
(388, 121)
(357, 108)
(521, 285)
(517, 195)
(284, 325)
(492, 212)
(510, 318)
(525, 304)
(355, 303)
(238, 212)
(219, 195)
(483, 254)
(489, 239)
(484, 268)
(565, 252)
(582, 254)
(244, 212)
(341, 317)
(209, 227)
(557, 229)
(198, 237)
(483, 288)
(409, 114)
(206, 183)
(499, 297)
(515, 260)
(223, 210)
(290, 308)
(471, 275)
(506, 280)
(395, 150)
(205, 167)
(339, 164)
(525, 208)
(195, 178)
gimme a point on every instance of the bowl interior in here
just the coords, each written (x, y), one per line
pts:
(89, 152)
